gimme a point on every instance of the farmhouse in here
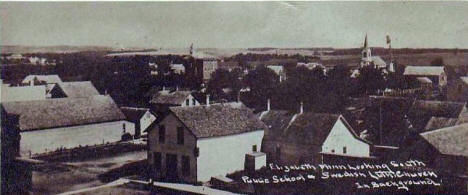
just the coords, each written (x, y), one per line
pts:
(142, 118)
(198, 142)
(73, 90)
(64, 123)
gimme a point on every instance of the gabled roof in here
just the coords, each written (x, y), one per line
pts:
(464, 79)
(218, 119)
(78, 89)
(172, 98)
(277, 121)
(424, 70)
(378, 61)
(47, 78)
(450, 140)
(134, 114)
(440, 122)
(61, 112)
(424, 80)
(310, 128)
(422, 111)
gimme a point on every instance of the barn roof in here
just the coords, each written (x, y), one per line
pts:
(173, 98)
(47, 78)
(134, 114)
(218, 119)
(78, 89)
(424, 70)
(450, 140)
(61, 112)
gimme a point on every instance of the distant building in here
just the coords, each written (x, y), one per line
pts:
(64, 123)
(41, 79)
(142, 118)
(457, 90)
(311, 65)
(15, 56)
(279, 70)
(367, 58)
(199, 142)
(435, 73)
(228, 65)
(177, 68)
(22, 93)
(208, 67)
(431, 115)
(162, 100)
(76, 89)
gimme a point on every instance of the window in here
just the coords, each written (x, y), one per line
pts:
(193, 102)
(162, 133)
(157, 161)
(185, 165)
(254, 148)
(187, 102)
(333, 151)
(344, 150)
(123, 127)
(180, 135)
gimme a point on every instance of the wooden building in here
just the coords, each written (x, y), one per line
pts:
(76, 89)
(142, 118)
(198, 142)
(64, 123)
(162, 100)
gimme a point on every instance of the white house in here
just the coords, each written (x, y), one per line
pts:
(142, 118)
(52, 124)
(342, 140)
(198, 142)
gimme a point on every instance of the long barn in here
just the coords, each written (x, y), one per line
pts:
(64, 123)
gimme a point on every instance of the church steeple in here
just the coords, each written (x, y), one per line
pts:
(365, 42)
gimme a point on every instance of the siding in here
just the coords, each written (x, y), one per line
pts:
(40, 141)
(225, 154)
(341, 137)
(146, 121)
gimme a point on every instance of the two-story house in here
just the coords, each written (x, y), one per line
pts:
(198, 142)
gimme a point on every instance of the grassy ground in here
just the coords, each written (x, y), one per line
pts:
(53, 178)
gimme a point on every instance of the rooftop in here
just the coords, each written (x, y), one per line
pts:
(78, 89)
(424, 70)
(450, 140)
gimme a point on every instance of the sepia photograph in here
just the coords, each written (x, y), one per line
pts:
(247, 97)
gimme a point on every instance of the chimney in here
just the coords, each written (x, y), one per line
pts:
(164, 88)
(177, 88)
(208, 100)
(302, 108)
(268, 105)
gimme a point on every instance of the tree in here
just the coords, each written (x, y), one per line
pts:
(439, 61)
(263, 84)
(370, 80)
(225, 84)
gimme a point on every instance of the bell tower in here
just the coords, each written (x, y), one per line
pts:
(366, 56)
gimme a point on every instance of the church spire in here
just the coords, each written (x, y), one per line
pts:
(365, 42)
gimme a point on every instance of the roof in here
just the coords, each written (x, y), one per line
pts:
(450, 140)
(424, 80)
(173, 98)
(22, 93)
(218, 119)
(310, 128)
(278, 69)
(422, 111)
(440, 122)
(134, 114)
(464, 79)
(276, 121)
(378, 61)
(47, 78)
(228, 65)
(424, 70)
(60, 112)
(78, 89)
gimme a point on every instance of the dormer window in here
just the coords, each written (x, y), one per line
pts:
(187, 102)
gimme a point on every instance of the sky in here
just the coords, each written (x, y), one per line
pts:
(235, 24)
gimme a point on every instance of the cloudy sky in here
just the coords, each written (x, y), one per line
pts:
(234, 24)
